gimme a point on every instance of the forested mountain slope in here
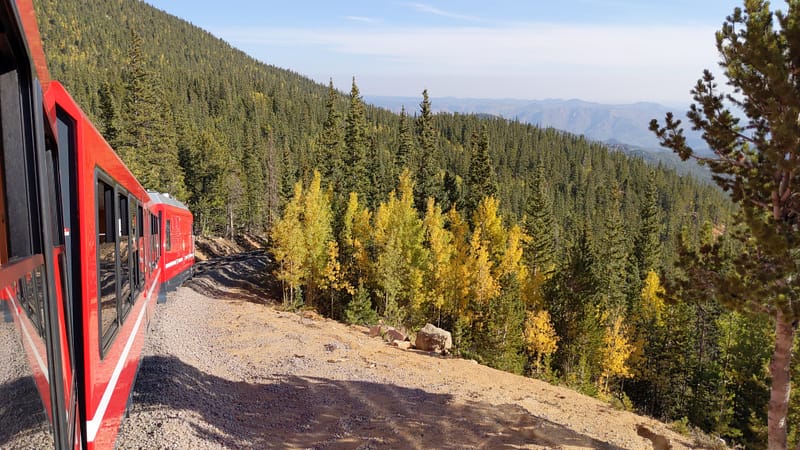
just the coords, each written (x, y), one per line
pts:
(262, 124)
(231, 135)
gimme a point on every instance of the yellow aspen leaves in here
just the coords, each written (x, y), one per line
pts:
(540, 336)
(615, 353)
(653, 298)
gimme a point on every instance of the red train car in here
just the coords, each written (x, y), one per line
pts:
(114, 291)
(176, 245)
(81, 259)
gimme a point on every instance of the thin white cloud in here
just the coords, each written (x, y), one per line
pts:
(517, 48)
(428, 9)
(362, 19)
(533, 60)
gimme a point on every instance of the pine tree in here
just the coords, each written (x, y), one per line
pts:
(206, 167)
(499, 338)
(647, 247)
(356, 144)
(253, 185)
(572, 296)
(428, 182)
(108, 114)
(406, 154)
(331, 142)
(613, 258)
(539, 224)
(146, 141)
(481, 180)
(359, 310)
(758, 163)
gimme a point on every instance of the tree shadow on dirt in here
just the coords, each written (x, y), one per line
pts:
(312, 412)
(243, 276)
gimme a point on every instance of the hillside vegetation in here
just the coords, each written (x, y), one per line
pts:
(543, 252)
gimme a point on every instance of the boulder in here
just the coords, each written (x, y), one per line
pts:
(433, 339)
(392, 335)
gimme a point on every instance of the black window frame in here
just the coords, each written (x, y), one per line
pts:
(123, 226)
(106, 337)
(167, 236)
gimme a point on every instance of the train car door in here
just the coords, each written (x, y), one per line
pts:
(70, 259)
(32, 272)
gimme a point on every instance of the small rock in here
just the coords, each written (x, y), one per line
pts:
(331, 346)
(375, 330)
(404, 345)
(393, 334)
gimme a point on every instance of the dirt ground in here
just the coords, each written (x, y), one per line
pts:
(223, 368)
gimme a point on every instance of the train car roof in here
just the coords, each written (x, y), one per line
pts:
(157, 197)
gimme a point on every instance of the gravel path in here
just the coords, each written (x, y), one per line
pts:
(226, 370)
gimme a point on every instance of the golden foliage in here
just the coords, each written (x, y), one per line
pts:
(540, 336)
(653, 298)
(615, 353)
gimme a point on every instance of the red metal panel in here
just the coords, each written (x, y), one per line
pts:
(108, 380)
(28, 17)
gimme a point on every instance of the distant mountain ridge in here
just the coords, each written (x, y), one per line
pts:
(611, 123)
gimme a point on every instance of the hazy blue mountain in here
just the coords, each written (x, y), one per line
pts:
(615, 124)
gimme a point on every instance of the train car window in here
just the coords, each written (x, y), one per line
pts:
(53, 190)
(107, 267)
(141, 220)
(158, 235)
(123, 238)
(140, 250)
(168, 244)
(21, 205)
(136, 281)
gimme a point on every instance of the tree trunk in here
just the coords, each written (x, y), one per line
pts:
(781, 382)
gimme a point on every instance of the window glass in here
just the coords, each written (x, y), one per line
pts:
(19, 169)
(136, 281)
(107, 267)
(123, 237)
(169, 236)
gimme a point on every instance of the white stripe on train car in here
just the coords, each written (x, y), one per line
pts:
(28, 337)
(178, 260)
(93, 425)
(172, 263)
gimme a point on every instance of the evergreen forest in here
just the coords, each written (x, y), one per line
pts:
(544, 253)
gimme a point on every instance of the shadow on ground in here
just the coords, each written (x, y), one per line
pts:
(311, 412)
(244, 276)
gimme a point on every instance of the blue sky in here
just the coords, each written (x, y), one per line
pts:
(611, 51)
